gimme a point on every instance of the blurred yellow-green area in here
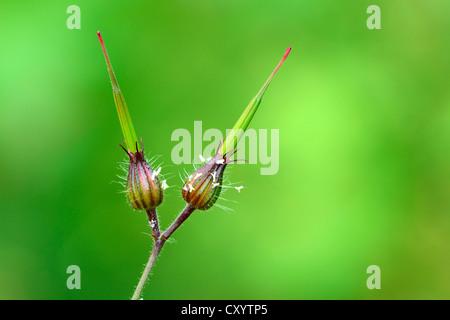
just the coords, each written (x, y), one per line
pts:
(364, 162)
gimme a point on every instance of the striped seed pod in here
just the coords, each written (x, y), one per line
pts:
(202, 188)
(143, 188)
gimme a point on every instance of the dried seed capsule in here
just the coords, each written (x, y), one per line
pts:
(143, 188)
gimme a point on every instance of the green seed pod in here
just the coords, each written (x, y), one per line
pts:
(143, 188)
(202, 188)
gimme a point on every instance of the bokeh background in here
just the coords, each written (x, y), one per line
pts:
(364, 124)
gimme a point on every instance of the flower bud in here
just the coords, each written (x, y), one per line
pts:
(143, 188)
(202, 189)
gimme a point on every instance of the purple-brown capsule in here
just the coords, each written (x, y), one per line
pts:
(202, 188)
(143, 187)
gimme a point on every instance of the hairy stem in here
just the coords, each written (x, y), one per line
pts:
(157, 246)
(159, 242)
(178, 221)
(154, 224)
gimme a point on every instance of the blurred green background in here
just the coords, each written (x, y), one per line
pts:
(364, 124)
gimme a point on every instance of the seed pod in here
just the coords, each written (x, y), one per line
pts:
(122, 111)
(246, 117)
(143, 188)
(202, 189)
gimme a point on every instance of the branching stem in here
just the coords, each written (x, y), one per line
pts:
(178, 221)
(159, 243)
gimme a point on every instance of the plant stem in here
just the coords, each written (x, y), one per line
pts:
(178, 221)
(159, 242)
(154, 224)
(157, 246)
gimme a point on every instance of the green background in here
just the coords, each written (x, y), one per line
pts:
(364, 124)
